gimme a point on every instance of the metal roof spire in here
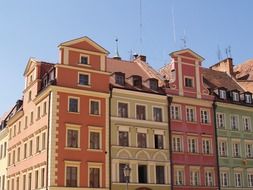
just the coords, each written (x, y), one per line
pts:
(117, 50)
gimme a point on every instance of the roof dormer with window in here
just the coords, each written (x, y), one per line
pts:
(235, 95)
(119, 78)
(223, 94)
(153, 84)
(136, 81)
(248, 98)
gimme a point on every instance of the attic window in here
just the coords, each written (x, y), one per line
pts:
(153, 84)
(248, 98)
(235, 96)
(137, 82)
(84, 60)
(223, 94)
(120, 79)
(188, 82)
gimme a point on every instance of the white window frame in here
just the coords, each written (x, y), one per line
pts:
(78, 104)
(236, 149)
(179, 172)
(162, 112)
(222, 147)
(72, 164)
(76, 128)
(246, 123)
(205, 116)
(80, 59)
(190, 114)
(99, 107)
(192, 146)
(238, 179)
(220, 120)
(204, 146)
(224, 178)
(234, 122)
(175, 114)
(95, 165)
(175, 140)
(96, 130)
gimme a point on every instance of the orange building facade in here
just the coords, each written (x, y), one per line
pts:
(58, 133)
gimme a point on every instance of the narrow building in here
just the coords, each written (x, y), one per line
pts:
(234, 114)
(193, 145)
(58, 134)
(139, 135)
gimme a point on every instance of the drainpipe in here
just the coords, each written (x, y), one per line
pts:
(48, 130)
(169, 100)
(110, 159)
(216, 143)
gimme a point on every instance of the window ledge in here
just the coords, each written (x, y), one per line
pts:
(95, 115)
(74, 112)
(83, 85)
(84, 65)
(72, 148)
(95, 150)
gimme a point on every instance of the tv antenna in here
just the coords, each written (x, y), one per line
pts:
(140, 26)
(219, 53)
(184, 40)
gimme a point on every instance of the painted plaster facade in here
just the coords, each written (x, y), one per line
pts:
(132, 154)
(235, 145)
(194, 161)
(3, 157)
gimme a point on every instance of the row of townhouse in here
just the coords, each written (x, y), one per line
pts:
(84, 122)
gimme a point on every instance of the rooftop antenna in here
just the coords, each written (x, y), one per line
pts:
(131, 56)
(140, 26)
(219, 53)
(229, 51)
(116, 56)
(173, 24)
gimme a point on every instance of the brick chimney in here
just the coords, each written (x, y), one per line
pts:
(225, 65)
(142, 58)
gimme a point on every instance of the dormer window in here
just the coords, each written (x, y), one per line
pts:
(223, 94)
(235, 96)
(153, 84)
(137, 81)
(248, 98)
(120, 78)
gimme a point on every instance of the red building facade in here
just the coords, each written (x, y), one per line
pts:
(193, 156)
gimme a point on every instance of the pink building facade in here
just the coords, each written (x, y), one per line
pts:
(193, 145)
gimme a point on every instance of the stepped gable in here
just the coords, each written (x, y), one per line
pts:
(217, 79)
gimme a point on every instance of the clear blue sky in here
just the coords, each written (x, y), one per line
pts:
(31, 28)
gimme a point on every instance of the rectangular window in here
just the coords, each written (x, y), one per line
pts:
(71, 176)
(206, 146)
(209, 178)
(44, 108)
(175, 112)
(160, 177)
(248, 148)
(157, 114)
(236, 150)
(95, 140)
(26, 122)
(194, 178)
(247, 123)
(29, 181)
(94, 178)
(36, 178)
(234, 122)
(9, 159)
(158, 141)
(123, 138)
(31, 148)
(24, 182)
(177, 144)
(37, 144)
(72, 138)
(238, 179)
(17, 183)
(235, 96)
(13, 157)
(188, 82)
(73, 105)
(42, 181)
(223, 148)
(142, 140)
(223, 94)
(84, 79)
(123, 110)
(19, 127)
(14, 130)
(84, 60)
(140, 112)
(224, 179)
(179, 177)
(248, 98)
(31, 118)
(3, 182)
(94, 107)
(220, 120)
(120, 79)
(192, 145)
(43, 141)
(250, 180)
(38, 112)
(190, 114)
(25, 150)
(122, 178)
(205, 116)
(143, 174)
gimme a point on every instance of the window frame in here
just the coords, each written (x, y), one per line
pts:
(189, 118)
(186, 82)
(84, 74)
(145, 112)
(78, 104)
(99, 107)
(75, 128)
(128, 109)
(95, 130)
(95, 165)
(72, 164)
(154, 116)
(80, 60)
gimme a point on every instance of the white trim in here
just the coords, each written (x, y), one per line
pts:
(72, 164)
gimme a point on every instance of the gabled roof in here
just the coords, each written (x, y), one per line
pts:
(244, 71)
(217, 79)
(29, 64)
(87, 40)
(189, 51)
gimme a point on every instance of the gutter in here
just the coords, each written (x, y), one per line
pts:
(169, 100)
(110, 159)
(49, 116)
(216, 144)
